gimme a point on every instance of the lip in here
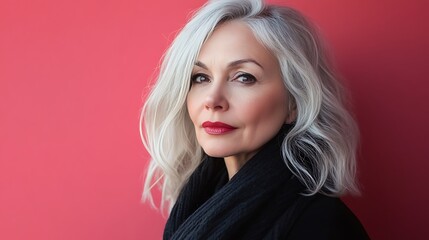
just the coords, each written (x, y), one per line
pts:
(217, 128)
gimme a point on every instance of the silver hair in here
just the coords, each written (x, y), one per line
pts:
(320, 149)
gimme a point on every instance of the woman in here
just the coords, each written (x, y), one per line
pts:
(247, 130)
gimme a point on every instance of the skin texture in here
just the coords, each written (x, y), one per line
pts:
(255, 105)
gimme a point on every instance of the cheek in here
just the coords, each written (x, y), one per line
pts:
(266, 110)
(191, 106)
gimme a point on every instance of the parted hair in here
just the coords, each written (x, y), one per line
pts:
(320, 148)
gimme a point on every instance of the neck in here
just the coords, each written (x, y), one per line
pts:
(234, 163)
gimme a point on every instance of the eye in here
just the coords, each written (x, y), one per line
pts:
(199, 78)
(245, 78)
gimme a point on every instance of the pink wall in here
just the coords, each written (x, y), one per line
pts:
(72, 74)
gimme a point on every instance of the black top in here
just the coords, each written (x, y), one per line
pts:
(263, 200)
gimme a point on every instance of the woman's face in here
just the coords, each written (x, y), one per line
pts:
(237, 101)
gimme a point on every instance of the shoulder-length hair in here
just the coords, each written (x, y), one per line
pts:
(320, 149)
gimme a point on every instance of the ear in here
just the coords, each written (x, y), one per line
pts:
(292, 111)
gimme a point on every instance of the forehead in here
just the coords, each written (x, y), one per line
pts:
(234, 40)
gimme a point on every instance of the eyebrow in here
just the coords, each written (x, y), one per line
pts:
(233, 63)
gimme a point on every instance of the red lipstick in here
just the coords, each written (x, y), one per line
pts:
(217, 128)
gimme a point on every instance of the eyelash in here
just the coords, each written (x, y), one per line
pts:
(196, 76)
(248, 76)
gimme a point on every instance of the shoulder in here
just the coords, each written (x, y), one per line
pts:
(323, 217)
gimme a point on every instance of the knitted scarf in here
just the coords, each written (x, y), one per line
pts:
(258, 202)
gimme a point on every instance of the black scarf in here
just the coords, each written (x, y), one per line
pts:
(259, 202)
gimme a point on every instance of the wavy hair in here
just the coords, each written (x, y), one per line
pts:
(320, 149)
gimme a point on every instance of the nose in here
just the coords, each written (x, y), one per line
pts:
(216, 99)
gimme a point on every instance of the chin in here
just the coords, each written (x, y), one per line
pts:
(217, 152)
